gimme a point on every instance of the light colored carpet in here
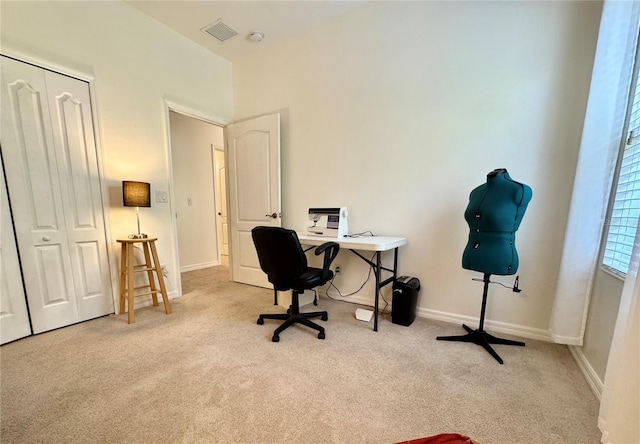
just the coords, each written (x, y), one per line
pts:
(207, 373)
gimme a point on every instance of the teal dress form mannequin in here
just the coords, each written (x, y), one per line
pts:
(494, 214)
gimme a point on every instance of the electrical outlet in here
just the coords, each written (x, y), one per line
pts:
(337, 269)
(165, 272)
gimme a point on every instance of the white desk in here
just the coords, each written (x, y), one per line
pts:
(366, 243)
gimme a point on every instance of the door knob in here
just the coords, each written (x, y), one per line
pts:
(219, 214)
(46, 238)
(272, 215)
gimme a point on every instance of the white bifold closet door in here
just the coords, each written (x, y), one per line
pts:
(51, 169)
(14, 318)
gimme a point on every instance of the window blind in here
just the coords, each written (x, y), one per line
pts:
(625, 212)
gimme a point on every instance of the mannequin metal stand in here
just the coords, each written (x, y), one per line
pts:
(479, 336)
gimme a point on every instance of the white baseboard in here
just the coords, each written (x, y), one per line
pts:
(146, 301)
(199, 266)
(589, 374)
(355, 299)
(495, 326)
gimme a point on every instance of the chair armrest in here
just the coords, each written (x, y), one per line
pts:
(330, 250)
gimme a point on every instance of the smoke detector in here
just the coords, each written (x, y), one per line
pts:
(256, 36)
(220, 31)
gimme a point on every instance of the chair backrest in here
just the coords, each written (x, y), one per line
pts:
(280, 254)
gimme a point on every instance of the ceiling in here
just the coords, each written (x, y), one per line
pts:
(278, 20)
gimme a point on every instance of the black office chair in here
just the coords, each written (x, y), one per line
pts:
(283, 260)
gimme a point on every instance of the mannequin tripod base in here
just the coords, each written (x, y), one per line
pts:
(482, 338)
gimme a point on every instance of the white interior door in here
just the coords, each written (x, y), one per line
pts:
(220, 187)
(253, 167)
(69, 105)
(51, 172)
(36, 201)
(14, 318)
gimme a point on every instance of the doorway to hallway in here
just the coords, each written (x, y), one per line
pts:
(205, 279)
(199, 194)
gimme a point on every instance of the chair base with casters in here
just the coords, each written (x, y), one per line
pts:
(293, 316)
(282, 258)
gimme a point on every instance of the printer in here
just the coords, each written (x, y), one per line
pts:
(328, 222)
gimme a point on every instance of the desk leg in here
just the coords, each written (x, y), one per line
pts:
(377, 266)
(395, 263)
(379, 284)
(377, 295)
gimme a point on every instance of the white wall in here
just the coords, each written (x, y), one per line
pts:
(398, 110)
(193, 190)
(137, 64)
(601, 321)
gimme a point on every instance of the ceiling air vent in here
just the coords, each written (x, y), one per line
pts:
(220, 31)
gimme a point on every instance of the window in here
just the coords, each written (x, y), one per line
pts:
(625, 209)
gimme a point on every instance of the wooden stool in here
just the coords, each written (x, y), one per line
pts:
(127, 268)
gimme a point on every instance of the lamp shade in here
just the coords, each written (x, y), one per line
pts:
(136, 194)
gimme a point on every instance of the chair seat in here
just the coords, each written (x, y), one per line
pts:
(311, 278)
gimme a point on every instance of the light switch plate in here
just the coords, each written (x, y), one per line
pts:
(161, 197)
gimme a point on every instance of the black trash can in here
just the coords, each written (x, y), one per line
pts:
(405, 300)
